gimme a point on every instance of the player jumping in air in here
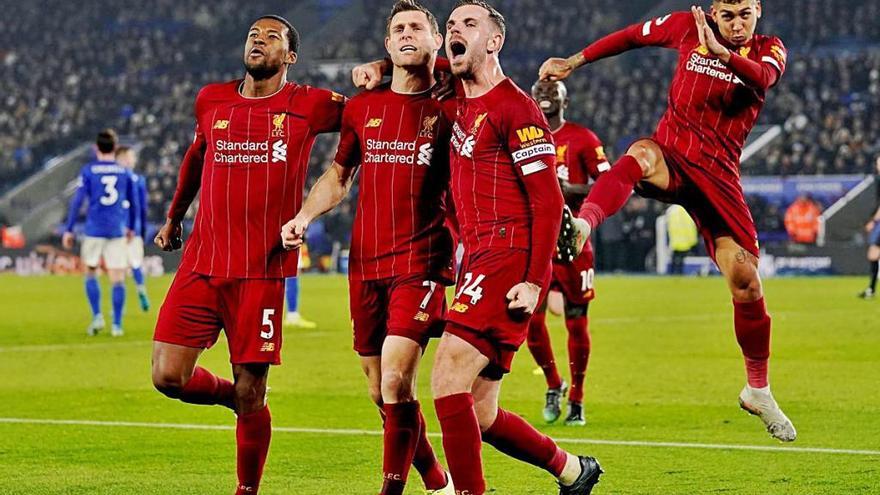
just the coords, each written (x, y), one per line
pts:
(127, 157)
(249, 159)
(580, 157)
(401, 250)
(723, 75)
(110, 224)
(509, 206)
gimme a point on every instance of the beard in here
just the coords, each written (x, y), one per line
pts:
(261, 70)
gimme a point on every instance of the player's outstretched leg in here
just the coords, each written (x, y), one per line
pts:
(467, 417)
(643, 161)
(542, 350)
(176, 376)
(576, 321)
(405, 433)
(117, 277)
(752, 325)
(513, 436)
(93, 294)
(253, 429)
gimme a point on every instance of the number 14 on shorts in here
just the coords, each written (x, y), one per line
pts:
(471, 287)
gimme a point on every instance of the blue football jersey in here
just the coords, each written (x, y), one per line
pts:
(113, 201)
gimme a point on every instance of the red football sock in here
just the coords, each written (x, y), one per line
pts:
(461, 442)
(425, 461)
(752, 325)
(511, 435)
(253, 432)
(542, 349)
(208, 389)
(400, 439)
(578, 355)
(611, 191)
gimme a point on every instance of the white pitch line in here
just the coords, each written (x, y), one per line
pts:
(73, 347)
(376, 433)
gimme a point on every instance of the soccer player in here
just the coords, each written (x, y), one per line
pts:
(249, 159)
(509, 207)
(873, 230)
(108, 187)
(397, 136)
(126, 157)
(293, 318)
(724, 73)
(580, 157)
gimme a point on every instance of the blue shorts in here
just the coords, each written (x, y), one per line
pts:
(874, 236)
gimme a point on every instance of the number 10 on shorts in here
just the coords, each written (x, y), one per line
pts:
(471, 287)
(267, 322)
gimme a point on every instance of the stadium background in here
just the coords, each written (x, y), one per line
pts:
(72, 68)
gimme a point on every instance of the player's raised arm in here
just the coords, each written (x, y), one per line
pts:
(76, 202)
(330, 189)
(663, 31)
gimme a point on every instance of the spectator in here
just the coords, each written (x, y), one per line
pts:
(802, 220)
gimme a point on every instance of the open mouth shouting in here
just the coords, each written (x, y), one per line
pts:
(457, 50)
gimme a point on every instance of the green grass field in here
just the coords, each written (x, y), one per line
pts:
(665, 369)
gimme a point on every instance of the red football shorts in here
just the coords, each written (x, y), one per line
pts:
(575, 280)
(407, 306)
(716, 203)
(479, 313)
(197, 307)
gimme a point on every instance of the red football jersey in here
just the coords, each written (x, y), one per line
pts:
(503, 176)
(401, 144)
(249, 158)
(580, 156)
(711, 110)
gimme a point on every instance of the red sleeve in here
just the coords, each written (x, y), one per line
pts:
(443, 65)
(534, 157)
(763, 74)
(189, 178)
(667, 31)
(594, 156)
(348, 152)
(326, 110)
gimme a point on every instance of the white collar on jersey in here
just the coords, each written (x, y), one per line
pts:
(241, 87)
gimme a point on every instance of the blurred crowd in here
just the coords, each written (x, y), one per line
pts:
(72, 68)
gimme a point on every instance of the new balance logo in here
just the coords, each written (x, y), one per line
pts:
(279, 151)
(426, 153)
(373, 123)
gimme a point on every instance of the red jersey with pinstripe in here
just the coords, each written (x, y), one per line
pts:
(401, 144)
(580, 157)
(711, 111)
(504, 177)
(255, 154)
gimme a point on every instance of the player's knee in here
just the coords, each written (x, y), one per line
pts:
(397, 385)
(168, 383)
(443, 378)
(646, 153)
(249, 397)
(746, 287)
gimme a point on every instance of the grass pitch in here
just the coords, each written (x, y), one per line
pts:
(665, 371)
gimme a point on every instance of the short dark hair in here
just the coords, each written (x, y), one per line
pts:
(106, 141)
(494, 15)
(412, 6)
(292, 33)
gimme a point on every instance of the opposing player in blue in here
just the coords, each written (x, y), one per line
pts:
(294, 319)
(127, 157)
(110, 224)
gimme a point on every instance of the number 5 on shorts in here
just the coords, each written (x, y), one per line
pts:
(471, 287)
(267, 322)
